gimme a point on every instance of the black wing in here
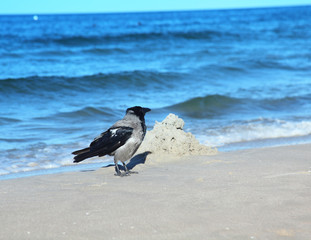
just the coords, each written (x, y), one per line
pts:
(106, 143)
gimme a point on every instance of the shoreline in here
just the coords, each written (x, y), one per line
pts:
(87, 166)
(247, 194)
(92, 166)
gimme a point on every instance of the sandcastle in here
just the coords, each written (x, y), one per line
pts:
(169, 138)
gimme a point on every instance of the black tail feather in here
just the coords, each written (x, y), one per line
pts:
(83, 155)
(81, 151)
(87, 153)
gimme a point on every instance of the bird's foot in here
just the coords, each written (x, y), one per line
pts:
(125, 174)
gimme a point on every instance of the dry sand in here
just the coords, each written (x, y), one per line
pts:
(250, 194)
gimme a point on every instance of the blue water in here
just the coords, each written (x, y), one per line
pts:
(239, 78)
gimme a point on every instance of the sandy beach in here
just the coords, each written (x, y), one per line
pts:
(249, 194)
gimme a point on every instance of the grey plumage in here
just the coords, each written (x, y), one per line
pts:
(121, 140)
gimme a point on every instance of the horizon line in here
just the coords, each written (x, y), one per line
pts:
(158, 11)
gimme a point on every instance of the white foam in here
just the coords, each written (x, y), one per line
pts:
(256, 130)
(42, 156)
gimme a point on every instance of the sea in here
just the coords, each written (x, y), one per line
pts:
(238, 78)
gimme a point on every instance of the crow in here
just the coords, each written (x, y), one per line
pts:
(121, 140)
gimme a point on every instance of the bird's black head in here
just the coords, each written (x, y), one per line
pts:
(138, 111)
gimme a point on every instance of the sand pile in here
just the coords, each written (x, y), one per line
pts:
(168, 138)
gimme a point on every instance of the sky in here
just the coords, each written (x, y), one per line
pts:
(102, 6)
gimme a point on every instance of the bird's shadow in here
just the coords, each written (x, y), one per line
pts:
(136, 160)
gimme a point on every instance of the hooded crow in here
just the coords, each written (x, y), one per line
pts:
(121, 140)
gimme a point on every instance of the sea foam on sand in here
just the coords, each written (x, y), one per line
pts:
(168, 138)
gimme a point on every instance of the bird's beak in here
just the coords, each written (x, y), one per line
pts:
(146, 110)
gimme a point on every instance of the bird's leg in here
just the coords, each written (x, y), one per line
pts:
(118, 172)
(125, 167)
